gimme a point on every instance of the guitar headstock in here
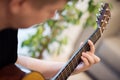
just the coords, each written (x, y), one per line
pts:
(103, 16)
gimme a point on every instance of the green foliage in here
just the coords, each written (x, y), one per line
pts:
(39, 42)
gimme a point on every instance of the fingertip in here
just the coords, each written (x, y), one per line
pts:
(99, 59)
(90, 42)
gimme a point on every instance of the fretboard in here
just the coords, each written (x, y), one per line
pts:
(75, 60)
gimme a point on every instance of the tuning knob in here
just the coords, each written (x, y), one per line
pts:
(96, 19)
(98, 16)
(102, 5)
(100, 9)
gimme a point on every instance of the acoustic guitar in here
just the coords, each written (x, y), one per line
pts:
(74, 61)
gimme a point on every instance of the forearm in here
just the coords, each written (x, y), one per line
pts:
(47, 68)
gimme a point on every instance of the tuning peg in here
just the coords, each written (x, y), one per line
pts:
(106, 22)
(107, 9)
(96, 19)
(102, 20)
(108, 16)
(102, 4)
(97, 15)
(105, 15)
(100, 9)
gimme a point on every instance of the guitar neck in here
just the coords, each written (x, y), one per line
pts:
(102, 21)
(73, 62)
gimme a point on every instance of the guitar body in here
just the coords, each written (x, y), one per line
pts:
(12, 72)
(33, 76)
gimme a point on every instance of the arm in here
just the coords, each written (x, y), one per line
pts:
(49, 69)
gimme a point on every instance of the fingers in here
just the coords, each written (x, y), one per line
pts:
(85, 61)
(96, 58)
(92, 48)
(89, 59)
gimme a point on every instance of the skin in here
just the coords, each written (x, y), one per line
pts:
(22, 14)
(25, 13)
(89, 58)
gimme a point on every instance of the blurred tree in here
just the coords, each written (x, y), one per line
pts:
(70, 15)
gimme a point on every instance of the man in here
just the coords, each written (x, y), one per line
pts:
(16, 14)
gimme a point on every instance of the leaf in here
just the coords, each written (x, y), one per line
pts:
(26, 43)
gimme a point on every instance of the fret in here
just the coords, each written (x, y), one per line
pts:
(86, 46)
(78, 56)
(66, 70)
(64, 74)
(76, 60)
(95, 36)
(71, 65)
(60, 77)
(84, 49)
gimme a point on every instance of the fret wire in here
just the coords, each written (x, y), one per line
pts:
(76, 59)
(66, 70)
(86, 47)
(64, 73)
(59, 78)
(62, 76)
(79, 56)
(93, 38)
(96, 36)
(83, 49)
(73, 62)
(70, 66)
